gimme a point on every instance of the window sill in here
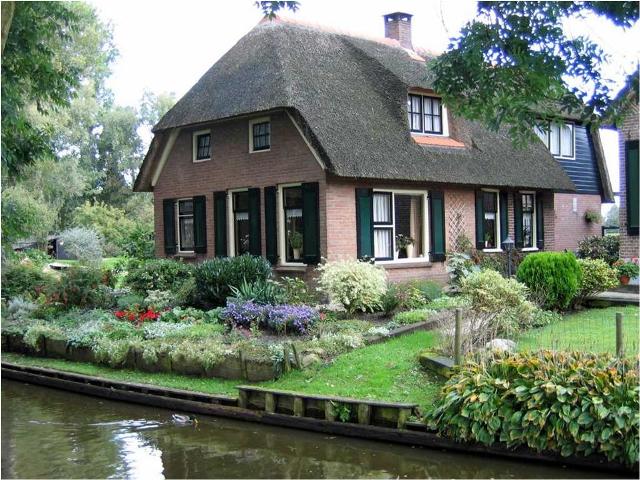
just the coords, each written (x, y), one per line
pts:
(260, 151)
(492, 250)
(186, 255)
(202, 160)
(291, 267)
(393, 264)
(529, 249)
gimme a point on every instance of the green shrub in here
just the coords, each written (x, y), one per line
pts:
(570, 403)
(459, 265)
(429, 289)
(158, 274)
(37, 257)
(605, 248)
(264, 292)
(358, 286)
(390, 301)
(83, 244)
(138, 242)
(412, 316)
(552, 277)
(627, 269)
(446, 302)
(80, 286)
(596, 277)
(297, 291)
(23, 280)
(214, 278)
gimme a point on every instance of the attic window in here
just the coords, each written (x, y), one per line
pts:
(426, 115)
(559, 138)
(260, 135)
(202, 146)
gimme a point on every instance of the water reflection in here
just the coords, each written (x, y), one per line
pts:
(49, 433)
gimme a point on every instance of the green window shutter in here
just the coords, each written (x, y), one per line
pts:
(479, 220)
(437, 226)
(517, 219)
(220, 223)
(539, 222)
(200, 224)
(271, 224)
(255, 236)
(633, 187)
(169, 216)
(364, 222)
(504, 216)
(311, 223)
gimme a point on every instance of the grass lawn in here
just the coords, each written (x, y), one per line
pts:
(386, 371)
(592, 330)
(106, 262)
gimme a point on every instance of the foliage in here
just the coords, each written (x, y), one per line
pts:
(243, 314)
(613, 217)
(264, 292)
(39, 330)
(137, 316)
(297, 291)
(19, 309)
(517, 62)
(459, 266)
(191, 315)
(270, 9)
(36, 257)
(591, 216)
(596, 277)
(605, 248)
(491, 292)
(110, 222)
(24, 215)
(21, 279)
(552, 277)
(214, 278)
(138, 242)
(429, 289)
(158, 274)
(358, 286)
(78, 286)
(83, 244)
(290, 318)
(159, 299)
(390, 301)
(627, 269)
(445, 303)
(571, 403)
(412, 316)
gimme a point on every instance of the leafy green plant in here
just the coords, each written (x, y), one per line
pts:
(295, 239)
(23, 280)
(79, 286)
(412, 316)
(591, 216)
(358, 286)
(570, 403)
(297, 291)
(553, 278)
(459, 265)
(429, 289)
(84, 244)
(265, 292)
(158, 274)
(36, 256)
(390, 301)
(159, 299)
(628, 269)
(596, 277)
(138, 242)
(605, 248)
(214, 278)
(39, 330)
(342, 410)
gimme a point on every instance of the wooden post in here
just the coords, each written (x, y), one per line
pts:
(296, 356)
(403, 416)
(287, 361)
(457, 345)
(298, 406)
(269, 402)
(364, 414)
(243, 366)
(329, 411)
(619, 336)
(242, 399)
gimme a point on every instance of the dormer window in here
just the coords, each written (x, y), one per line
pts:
(426, 115)
(559, 138)
(202, 146)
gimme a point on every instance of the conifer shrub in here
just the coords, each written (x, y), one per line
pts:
(553, 278)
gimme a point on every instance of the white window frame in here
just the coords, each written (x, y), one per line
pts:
(194, 145)
(177, 209)
(251, 124)
(426, 242)
(231, 224)
(547, 138)
(534, 223)
(498, 247)
(444, 119)
(282, 246)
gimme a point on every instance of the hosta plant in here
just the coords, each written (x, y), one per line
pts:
(570, 403)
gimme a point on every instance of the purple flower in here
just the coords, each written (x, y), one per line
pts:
(278, 318)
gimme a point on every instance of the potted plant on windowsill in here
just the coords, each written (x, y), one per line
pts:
(405, 242)
(487, 239)
(295, 240)
(626, 271)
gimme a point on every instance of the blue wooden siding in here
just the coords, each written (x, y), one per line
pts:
(583, 169)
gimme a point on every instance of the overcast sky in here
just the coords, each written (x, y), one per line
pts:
(165, 46)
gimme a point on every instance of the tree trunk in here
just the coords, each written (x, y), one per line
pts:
(8, 8)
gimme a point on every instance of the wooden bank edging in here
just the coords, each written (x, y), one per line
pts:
(414, 434)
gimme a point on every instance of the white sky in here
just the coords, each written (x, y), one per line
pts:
(165, 46)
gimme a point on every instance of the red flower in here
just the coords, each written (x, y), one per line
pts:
(120, 314)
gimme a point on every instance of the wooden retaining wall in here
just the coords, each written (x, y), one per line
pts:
(414, 433)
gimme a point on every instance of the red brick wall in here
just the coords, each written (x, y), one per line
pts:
(571, 226)
(232, 166)
(629, 245)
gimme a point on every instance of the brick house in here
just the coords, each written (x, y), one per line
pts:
(302, 143)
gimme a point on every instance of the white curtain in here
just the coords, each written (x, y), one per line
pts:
(567, 141)
(294, 213)
(415, 224)
(242, 215)
(382, 241)
(554, 139)
(381, 208)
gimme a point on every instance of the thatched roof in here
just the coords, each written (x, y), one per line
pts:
(350, 96)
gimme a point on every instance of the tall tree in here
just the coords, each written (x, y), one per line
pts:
(515, 64)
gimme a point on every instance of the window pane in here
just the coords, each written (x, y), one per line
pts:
(185, 207)
(436, 106)
(489, 200)
(415, 122)
(241, 229)
(383, 243)
(186, 233)
(437, 125)
(428, 123)
(527, 203)
(527, 229)
(554, 139)
(408, 219)
(427, 106)
(490, 230)
(294, 234)
(293, 197)
(240, 201)
(566, 141)
(381, 208)
(203, 143)
(542, 134)
(415, 104)
(262, 136)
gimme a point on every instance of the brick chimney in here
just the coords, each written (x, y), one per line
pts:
(398, 27)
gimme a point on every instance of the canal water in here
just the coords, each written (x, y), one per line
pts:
(55, 434)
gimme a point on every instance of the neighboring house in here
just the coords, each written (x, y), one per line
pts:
(302, 143)
(629, 172)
